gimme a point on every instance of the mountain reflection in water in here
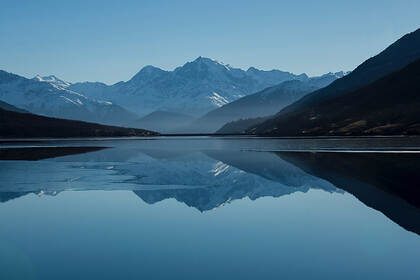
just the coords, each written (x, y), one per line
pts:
(209, 178)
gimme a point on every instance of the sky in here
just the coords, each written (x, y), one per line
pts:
(110, 41)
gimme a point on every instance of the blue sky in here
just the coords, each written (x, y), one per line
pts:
(110, 41)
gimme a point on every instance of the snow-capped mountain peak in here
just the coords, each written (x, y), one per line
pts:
(194, 88)
(147, 74)
(51, 96)
(51, 79)
(203, 66)
(212, 62)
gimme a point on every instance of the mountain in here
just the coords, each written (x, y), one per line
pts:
(388, 106)
(192, 89)
(95, 89)
(20, 125)
(8, 107)
(52, 80)
(164, 122)
(354, 105)
(49, 96)
(262, 104)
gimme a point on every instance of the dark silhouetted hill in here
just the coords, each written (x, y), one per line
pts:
(21, 125)
(360, 103)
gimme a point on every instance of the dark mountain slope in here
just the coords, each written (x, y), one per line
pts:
(20, 125)
(263, 103)
(290, 120)
(8, 107)
(389, 106)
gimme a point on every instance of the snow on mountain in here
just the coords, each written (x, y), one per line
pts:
(218, 100)
(53, 80)
(49, 96)
(260, 104)
(194, 88)
(96, 89)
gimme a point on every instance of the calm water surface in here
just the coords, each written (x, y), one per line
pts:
(210, 208)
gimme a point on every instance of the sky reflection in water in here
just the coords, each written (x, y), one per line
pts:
(203, 210)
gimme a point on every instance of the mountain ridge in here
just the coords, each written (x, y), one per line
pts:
(295, 119)
(263, 103)
(194, 88)
(50, 96)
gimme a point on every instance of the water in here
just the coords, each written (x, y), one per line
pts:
(210, 208)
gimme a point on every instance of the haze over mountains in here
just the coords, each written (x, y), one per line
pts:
(174, 98)
(163, 121)
(263, 103)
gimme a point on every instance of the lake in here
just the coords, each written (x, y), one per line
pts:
(210, 208)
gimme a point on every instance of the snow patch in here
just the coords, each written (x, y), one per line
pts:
(53, 80)
(218, 100)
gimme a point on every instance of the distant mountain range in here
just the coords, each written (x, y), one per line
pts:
(261, 104)
(380, 97)
(192, 89)
(207, 96)
(49, 96)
